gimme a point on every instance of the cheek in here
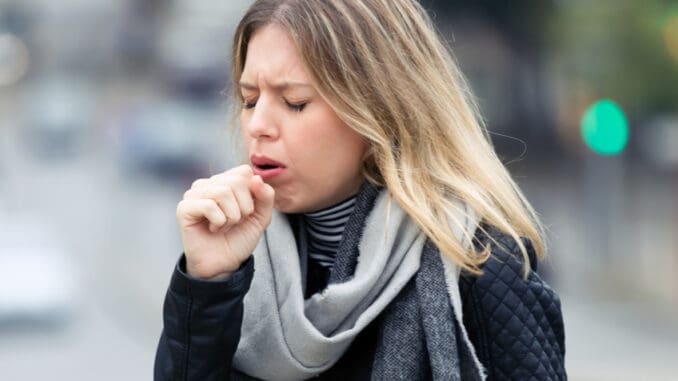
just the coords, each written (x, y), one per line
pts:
(330, 149)
(317, 142)
(347, 144)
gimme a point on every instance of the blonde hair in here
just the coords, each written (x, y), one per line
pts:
(382, 67)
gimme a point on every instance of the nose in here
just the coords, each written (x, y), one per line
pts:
(261, 121)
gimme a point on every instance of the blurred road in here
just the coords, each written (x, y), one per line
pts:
(613, 341)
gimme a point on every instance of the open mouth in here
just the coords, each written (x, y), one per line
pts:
(265, 167)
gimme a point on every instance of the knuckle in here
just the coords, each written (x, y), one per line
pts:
(240, 172)
(246, 169)
(222, 178)
(198, 183)
(211, 205)
(209, 193)
(181, 208)
(223, 191)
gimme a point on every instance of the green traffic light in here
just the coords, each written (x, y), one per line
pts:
(605, 128)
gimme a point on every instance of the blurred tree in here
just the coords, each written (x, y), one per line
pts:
(618, 49)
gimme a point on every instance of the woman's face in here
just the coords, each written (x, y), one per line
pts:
(295, 140)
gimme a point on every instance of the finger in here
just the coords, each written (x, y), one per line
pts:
(244, 169)
(199, 183)
(263, 193)
(234, 203)
(191, 212)
(230, 206)
(238, 179)
(241, 174)
(215, 192)
(244, 199)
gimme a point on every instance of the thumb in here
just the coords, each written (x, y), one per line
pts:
(264, 195)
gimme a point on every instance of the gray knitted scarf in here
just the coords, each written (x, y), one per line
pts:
(385, 268)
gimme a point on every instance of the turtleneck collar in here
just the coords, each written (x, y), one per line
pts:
(325, 229)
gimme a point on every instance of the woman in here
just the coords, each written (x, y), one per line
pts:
(374, 234)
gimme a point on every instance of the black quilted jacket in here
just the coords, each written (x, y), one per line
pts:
(514, 323)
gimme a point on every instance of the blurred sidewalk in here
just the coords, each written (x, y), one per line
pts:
(616, 342)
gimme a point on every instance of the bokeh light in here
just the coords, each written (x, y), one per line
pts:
(605, 128)
(13, 59)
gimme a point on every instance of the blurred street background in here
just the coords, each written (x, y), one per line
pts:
(110, 109)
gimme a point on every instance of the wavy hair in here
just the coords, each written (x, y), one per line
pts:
(383, 68)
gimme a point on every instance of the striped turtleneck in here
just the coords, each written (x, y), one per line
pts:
(324, 231)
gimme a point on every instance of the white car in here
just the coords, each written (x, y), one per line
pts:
(37, 282)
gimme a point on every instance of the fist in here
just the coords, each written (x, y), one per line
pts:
(221, 219)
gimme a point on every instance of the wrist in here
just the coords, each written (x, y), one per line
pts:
(191, 286)
(196, 272)
(208, 272)
(219, 277)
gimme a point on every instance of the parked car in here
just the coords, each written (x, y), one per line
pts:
(37, 282)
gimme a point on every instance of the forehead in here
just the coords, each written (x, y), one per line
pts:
(271, 54)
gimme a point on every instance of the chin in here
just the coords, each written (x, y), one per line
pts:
(293, 206)
(286, 205)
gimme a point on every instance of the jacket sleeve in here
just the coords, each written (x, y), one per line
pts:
(202, 321)
(515, 324)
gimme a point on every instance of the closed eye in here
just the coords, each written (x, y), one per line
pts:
(295, 107)
(248, 104)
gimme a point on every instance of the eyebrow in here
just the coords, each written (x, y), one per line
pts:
(281, 86)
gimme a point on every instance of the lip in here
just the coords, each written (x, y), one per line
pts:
(258, 162)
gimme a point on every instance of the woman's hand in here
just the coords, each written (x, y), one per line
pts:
(221, 220)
